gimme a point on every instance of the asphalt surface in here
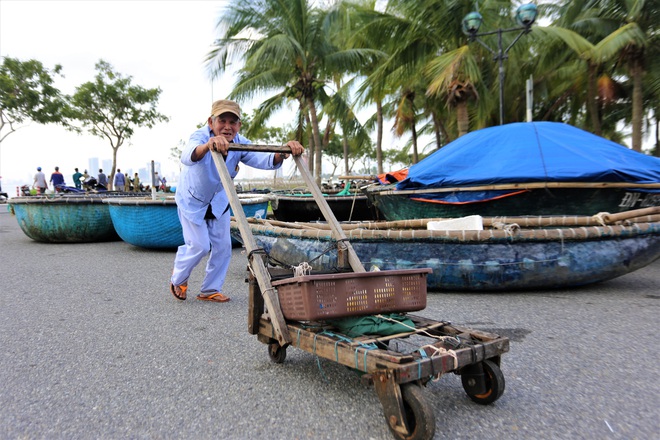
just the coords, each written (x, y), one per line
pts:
(93, 346)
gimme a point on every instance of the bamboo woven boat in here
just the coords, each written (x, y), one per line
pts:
(64, 218)
(529, 168)
(523, 199)
(523, 253)
(154, 223)
(301, 207)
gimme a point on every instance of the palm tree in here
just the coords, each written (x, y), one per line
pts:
(642, 18)
(607, 34)
(285, 47)
(594, 56)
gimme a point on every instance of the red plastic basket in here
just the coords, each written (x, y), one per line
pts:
(320, 297)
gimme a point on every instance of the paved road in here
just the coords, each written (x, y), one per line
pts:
(93, 346)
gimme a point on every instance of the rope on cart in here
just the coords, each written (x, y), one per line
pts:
(451, 339)
(328, 249)
(437, 351)
(261, 251)
(269, 259)
(318, 361)
(341, 338)
(441, 351)
(302, 269)
(297, 270)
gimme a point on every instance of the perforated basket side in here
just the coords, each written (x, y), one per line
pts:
(413, 291)
(313, 298)
(293, 300)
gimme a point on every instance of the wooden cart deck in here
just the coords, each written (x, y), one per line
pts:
(459, 347)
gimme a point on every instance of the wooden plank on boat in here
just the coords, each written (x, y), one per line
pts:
(256, 262)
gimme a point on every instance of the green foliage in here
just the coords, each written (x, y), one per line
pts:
(27, 94)
(111, 108)
(175, 151)
(593, 63)
(263, 134)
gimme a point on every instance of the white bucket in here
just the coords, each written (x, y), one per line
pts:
(469, 223)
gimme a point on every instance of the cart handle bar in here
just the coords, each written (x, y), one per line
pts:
(260, 148)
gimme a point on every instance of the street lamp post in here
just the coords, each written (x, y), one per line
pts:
(525, 17)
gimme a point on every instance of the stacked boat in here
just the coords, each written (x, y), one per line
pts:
(528, 168)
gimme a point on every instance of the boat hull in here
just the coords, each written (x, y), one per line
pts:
(491, 264)
(64, 219)
(546, 201)
(305, 209)
(154, 224)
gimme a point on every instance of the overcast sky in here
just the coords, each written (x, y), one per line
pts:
(159, 43)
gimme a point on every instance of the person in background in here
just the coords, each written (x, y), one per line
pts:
(102, 179)
(120, 181)
(57, 179)
(136, 183)
(76, 179)
(202, 203)
(40, 181)
(156, 181)
(128, 182)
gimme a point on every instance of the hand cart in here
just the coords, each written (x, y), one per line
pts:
(397, 375)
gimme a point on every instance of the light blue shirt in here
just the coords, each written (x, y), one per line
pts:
(120, 180)
(199, 182)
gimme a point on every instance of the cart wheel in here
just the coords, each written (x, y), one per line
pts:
(419, 414)
(494, 384)
(276, 352)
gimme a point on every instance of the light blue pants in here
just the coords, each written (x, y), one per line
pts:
(212, 236)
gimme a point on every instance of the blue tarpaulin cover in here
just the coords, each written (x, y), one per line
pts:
(531, 152)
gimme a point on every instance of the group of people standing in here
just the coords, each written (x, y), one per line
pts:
(122, 182)
(56, 179)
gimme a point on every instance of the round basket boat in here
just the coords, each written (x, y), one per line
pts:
(154, 223)
(64, 218)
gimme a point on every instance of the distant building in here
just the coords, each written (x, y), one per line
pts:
(93, 166)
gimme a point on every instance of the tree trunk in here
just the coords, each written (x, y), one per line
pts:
(462, 118)
(111, 177)
(329, 131)
(413, 130)
(440, 131)
(656, 150)
(592, 104)
(379, 135)
(310, 144)
(317, 141)
(345, 142)
(637, 104)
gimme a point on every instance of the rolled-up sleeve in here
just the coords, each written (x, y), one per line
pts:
(199, 137)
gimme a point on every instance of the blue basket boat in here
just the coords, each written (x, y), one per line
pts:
(64, 218)
(154, 224)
